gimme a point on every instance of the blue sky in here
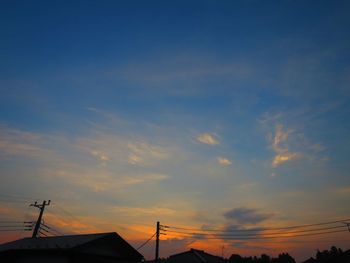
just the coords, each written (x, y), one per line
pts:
(177, 111)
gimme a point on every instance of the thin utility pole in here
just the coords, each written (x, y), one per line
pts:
(157, 242)
(38, 222)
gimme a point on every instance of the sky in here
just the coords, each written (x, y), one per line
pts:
(198, 114)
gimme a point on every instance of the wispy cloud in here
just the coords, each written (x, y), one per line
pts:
(223, 161)
(280, 146)
(68, 160)
(343, 190)
(103, 147)
(145, 154)
(291, 144)
(15, 142)
(281, 158)
(101, 156)
(142, 211)
(103, 181)
(208, 138)
(177, 68)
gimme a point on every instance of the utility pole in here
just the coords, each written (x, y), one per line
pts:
(157, 241)
(38, 222)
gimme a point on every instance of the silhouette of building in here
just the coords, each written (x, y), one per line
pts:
(88, 248)
(310, 260)
(194, 256)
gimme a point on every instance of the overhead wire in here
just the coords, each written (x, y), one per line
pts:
(41, 233)
(67, 213)
(61, 217)
(257, 231)
(143, 244)
(21, 226)
(266, 228)
(231, 234)
(50, 229)
(13, 230)
(261, 232)
(262, 237)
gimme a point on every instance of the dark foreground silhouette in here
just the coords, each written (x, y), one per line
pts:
(282, 258)
(334, 255)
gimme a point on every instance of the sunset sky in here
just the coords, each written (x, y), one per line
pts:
(197, 114)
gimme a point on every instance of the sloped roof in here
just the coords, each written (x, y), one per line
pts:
(74, 242)
(56, 242)
(310, 260)
(195, 255)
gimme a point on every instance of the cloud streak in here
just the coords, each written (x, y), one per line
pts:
(15, 142)
(280, 146)
(207, 138)
(145, 154)
(223, 161)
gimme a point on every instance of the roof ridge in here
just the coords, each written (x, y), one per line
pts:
(196, 252)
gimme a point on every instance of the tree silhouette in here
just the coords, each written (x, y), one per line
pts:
(329, 256)
(282, 258)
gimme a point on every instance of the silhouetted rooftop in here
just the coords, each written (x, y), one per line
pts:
(60, 242)
(195, 255)
(110, 244)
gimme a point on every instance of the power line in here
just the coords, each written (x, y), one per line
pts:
(258, 231)
(301, 241)
(9, 226)
(271, 228)
(143, 244)
(264, 237)
(67, 213)
(24, 228)
(62, 217)
(41, 233)
(14, 230)
(26, 218)
(50, 229)
(39, 220)
(11, 222)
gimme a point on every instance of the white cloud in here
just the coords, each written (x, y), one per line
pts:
(144, 178)
(223, 161)
(142, 211)
(101, 181)
(291, 144)
(101, 156)
(208, 138)
(280, 146)
(284, 157)
(145, 154)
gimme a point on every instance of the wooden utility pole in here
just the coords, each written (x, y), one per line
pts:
(38, 222)
(157, 241)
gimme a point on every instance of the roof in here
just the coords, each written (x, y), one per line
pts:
(100, 243)
(310, 260)
(56, 242)
(195, 255)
